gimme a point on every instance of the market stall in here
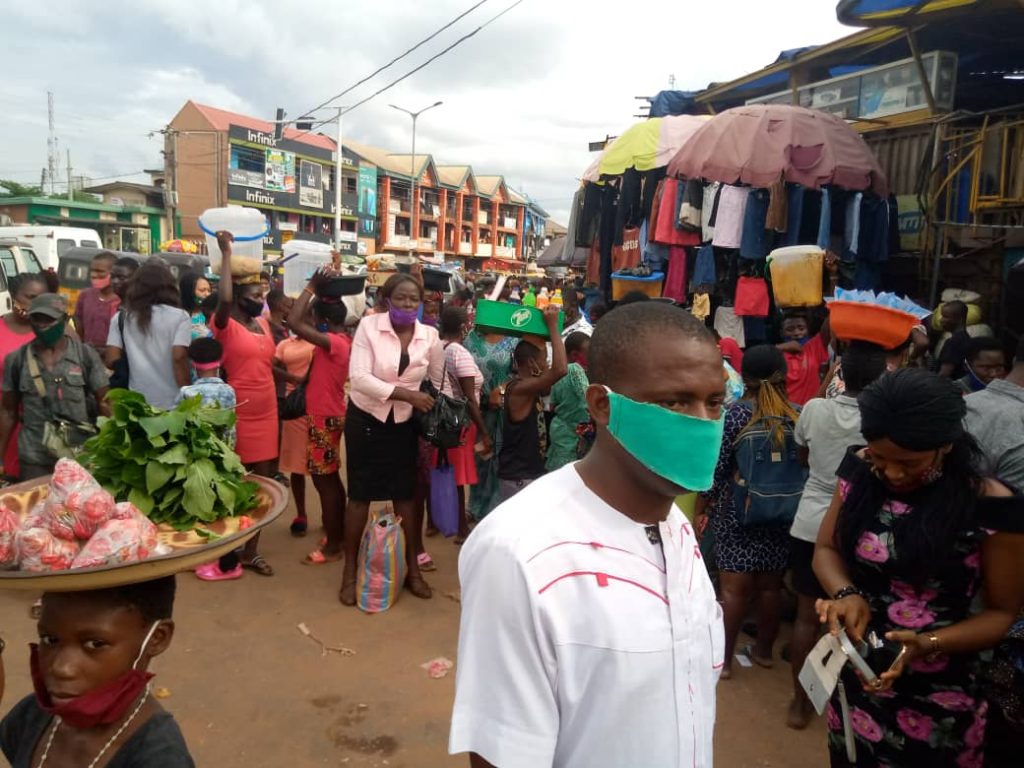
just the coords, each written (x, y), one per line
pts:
(741, 185)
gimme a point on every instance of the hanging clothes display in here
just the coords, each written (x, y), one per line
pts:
(574, 222)
(728, 325)
(825, 221)
(586, 232)
(751, 297)
(607, 235)
(629, 212)
(709, 211)
(704, 268)
(651, 181)
(693, 202)
(665, 229)
(794, 214)
(627, 255)
(777, 219)
(675, 280)
(701, 306)
(851, 226)
(732, 205)
(756, 240)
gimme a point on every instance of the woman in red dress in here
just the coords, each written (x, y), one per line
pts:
(248, 364)
(15, 332)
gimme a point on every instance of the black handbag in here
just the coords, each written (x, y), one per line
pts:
(442, 426)
(119, 377)
(294, 404)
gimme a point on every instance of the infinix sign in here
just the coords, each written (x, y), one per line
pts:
(259, 137)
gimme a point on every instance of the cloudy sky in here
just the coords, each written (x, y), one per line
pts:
(522, 98)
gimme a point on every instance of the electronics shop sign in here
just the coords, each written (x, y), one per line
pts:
(288, 201)
(294, 176)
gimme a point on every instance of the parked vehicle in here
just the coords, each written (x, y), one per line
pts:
(50, 243)
(180, 263)
(16, 257)
(73, 270)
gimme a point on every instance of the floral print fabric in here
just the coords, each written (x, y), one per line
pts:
(932, 715)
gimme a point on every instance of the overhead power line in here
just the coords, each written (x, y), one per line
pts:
(433, 58)
(395, 60)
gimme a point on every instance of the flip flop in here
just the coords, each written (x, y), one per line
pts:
(299, 526)
(317, 557)
(259, 565)
(425, 562)
(761, 661)
(212, 572)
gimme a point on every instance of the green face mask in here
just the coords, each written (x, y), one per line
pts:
(682, 449)
(50, 336)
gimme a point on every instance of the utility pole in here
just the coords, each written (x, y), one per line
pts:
(71, 192)
(414, 236)
(51, 144)
(337, 188)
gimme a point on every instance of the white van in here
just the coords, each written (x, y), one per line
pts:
(50, 243)
(16, 257)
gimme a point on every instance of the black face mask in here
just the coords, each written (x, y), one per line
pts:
(251, 307)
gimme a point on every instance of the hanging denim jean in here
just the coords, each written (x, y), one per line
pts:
(756, 240)
(795, 192)
(704, 269)
(825, 222)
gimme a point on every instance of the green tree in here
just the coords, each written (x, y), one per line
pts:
(10, 188)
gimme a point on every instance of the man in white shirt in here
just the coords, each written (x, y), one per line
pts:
(590, 633)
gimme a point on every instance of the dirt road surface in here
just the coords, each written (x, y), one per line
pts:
(249, 689)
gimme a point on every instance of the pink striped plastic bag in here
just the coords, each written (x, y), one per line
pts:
(381, 567)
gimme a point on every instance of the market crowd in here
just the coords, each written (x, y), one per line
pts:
(893, 470)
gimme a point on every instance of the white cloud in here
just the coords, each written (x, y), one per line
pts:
(522, 98)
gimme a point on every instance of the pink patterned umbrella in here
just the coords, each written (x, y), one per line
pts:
(758, 143)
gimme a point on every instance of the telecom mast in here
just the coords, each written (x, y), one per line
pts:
(52, 157)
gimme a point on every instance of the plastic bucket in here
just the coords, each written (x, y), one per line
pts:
(796, 275)
(249, 227)
(301, 259)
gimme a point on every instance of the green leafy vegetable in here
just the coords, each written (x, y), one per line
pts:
(172, 465)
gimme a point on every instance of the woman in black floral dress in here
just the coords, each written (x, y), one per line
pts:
(751, 559)
(903, 552)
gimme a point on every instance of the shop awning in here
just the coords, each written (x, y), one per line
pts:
(873, 13)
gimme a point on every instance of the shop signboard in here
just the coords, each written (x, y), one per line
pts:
(280, 171)
(311, 185)
(367, 191)
(245, 178)
(289, 168)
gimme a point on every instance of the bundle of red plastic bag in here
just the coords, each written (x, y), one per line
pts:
(79, 525)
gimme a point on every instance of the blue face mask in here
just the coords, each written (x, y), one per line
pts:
(682, 449)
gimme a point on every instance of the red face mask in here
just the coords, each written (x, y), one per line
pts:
(101, 706)
(101, 282)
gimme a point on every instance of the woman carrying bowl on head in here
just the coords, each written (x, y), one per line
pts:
(238, 324)
(392, 353)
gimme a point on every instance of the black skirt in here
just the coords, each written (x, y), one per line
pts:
(380, 457)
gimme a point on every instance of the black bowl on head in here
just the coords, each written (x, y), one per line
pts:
(344, 285)
(437, 280)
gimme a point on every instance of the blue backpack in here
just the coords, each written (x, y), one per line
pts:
(769, 478)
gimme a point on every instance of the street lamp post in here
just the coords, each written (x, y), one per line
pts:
(337, 188)
(413, 236)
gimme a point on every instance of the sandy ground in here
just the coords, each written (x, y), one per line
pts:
(249, 689)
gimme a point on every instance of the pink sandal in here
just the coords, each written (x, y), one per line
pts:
(425, 562)
(212, 572)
